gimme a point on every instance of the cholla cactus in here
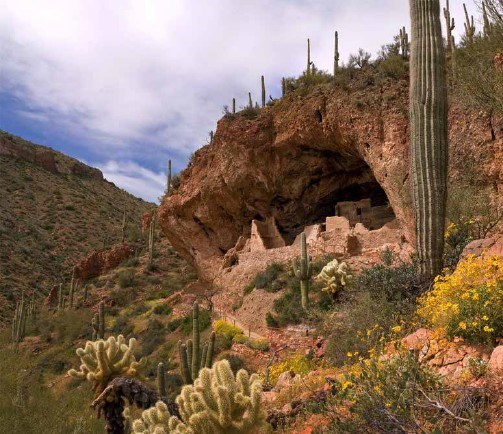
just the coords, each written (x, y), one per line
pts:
(102, 360)
(334, 276)
(217, 403)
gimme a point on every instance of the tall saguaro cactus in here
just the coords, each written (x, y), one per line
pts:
(404, 43)
(336, 53)
(233, 106)
(192, 357)
(428, 129)
(303, 271)
(449, 25)
(151, 241)
(469, 26)
(250, 102)
(168, 184)
(308, 68)
(262, 80)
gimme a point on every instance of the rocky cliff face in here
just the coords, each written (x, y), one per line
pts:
(302, 155)
(46, 158)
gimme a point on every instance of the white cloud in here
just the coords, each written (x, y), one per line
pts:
(149, 79)
(135, 179)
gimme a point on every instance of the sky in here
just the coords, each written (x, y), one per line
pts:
(125, 85)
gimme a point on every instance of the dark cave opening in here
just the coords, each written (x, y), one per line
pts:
(353, 185)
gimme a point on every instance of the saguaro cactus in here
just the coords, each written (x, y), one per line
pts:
(428, 126)
(308, 68)
(283, 86)
(449, 25)
(336, 53)
(262, 81)
(73, 284)
(250, 102)
(60, 297)
(485, 20)
(469, 26)
(404, 43)
(151, 241)
(19, 321)
(161, 380)
(303, 270)
(168, 185)
(233, 106)
(101, 320)
(192, 358)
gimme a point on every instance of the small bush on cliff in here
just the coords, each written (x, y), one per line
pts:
(126, 278)
(469, 302)
(268, 279)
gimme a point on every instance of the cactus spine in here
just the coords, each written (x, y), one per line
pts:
(192, 357)
(168, 184)
(404, 43)
(233, 106)
(303, 271)
(469, 26)
(449, 25)
(429, 146)
(262, 80)
(161, 381)
(151, 240)
(336, 53)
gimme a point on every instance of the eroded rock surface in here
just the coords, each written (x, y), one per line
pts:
(303, 155)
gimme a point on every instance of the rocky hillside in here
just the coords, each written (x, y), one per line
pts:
(54, 210)
(307, 151)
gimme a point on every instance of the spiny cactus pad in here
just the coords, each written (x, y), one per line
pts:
(334, 276)
(217, 403)
(102, 360)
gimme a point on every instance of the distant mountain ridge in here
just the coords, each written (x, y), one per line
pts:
(54, 210)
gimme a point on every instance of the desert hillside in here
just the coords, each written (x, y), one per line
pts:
(54, 210)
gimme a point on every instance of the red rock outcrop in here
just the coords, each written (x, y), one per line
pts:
(101, 260)
(485, 246)
(303, 154)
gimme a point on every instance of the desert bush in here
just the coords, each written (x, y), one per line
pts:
(258, 344)
(162, 309)
(288, 308)
(397, 394)
(468, 302)
(395, 282)
(225, 328)
(122, 326)
(299, 364)
(360, 59)
(394, 66)
(126, 278)
(64, 327)
(478, 80)
(154, 338)
(139, 309)
(267, 279)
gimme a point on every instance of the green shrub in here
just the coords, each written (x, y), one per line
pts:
(398, 394)
(258, 344)
(234, 360)
(394, 67)
(271, 321)
(154, 338)
(139, 309)
(162, 309)
(122, 327)
(395, 283)
(288, 308)
(174, 324)
(267, 278)
(126, 278)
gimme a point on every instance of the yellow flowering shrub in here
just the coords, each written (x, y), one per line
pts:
(299, 364)
(225, 328)
(468, 302)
